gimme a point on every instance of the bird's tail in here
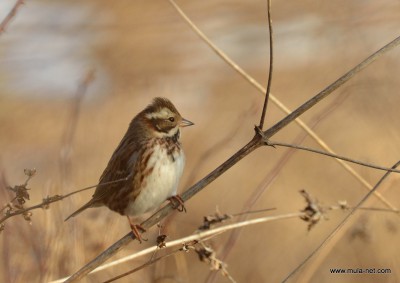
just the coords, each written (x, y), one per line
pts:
(87, 205)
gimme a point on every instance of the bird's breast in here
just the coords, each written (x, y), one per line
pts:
(163, 170)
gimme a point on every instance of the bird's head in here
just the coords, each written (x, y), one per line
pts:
(163, 119)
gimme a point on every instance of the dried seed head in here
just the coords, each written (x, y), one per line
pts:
(30, 172)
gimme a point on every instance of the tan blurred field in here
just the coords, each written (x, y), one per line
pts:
(143, 49)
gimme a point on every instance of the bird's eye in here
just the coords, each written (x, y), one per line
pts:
(171, 119)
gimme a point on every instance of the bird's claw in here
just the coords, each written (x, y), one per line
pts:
(177, 203)
(137, 231)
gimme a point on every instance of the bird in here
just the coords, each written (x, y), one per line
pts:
(145, 168)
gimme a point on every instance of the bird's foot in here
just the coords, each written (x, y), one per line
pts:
(177, 203)
(137, 231)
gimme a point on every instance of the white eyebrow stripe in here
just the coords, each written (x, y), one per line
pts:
(163, 114)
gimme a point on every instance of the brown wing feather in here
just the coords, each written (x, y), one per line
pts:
(120, 166)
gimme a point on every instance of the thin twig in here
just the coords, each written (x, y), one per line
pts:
(376, 209)
(195, 237)
(256, 142)
(6, 206)
(341, 207)
(271, 65)
(278, 103)
(366, 164)
(50, 199)
(150, 262)
(218, 218)
(253, 211)
(4, 24)
(338, 227)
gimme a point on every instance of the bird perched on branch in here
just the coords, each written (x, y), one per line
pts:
(146, 167)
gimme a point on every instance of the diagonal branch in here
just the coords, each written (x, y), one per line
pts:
(258, 140)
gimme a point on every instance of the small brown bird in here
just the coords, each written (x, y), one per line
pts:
(150, 158)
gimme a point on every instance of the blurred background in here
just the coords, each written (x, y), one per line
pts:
(142, 49)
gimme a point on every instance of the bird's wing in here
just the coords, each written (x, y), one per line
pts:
(121, 166)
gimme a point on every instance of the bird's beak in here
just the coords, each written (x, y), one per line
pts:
(185, 123)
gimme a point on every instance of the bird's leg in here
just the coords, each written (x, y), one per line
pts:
(137, 230)
(177, 203)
